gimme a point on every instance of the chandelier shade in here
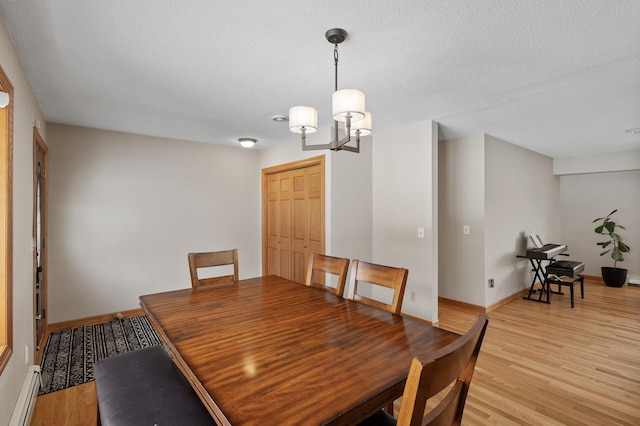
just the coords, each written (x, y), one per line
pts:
(362, 127)
(348, 103)
(303, 118)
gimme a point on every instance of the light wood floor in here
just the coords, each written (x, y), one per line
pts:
(539, 365)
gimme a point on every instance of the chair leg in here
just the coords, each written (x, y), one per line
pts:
(389, 409)
(571, 287)
(582, 287)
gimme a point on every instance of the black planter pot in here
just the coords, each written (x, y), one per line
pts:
(614, 277)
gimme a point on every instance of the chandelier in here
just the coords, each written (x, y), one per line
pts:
(348, 107)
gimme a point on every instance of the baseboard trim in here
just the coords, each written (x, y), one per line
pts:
(435, 324)
(508, 299)
(464, 306)
(65, 325)
(594, 278)
(476, 309)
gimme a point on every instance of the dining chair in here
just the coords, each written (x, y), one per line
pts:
(430, 374)
(319, 265)
(212, 259)
(385, 276)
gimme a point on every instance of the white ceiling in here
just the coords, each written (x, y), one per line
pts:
(558, 77)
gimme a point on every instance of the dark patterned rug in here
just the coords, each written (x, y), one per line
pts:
(69, 355)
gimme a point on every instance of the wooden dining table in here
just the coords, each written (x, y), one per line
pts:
(269, 351)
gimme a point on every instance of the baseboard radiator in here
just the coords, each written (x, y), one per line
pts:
(27, 399)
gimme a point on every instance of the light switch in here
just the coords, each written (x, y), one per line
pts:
(420, 232)
(466, 229)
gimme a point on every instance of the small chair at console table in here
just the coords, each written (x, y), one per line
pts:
(565, 273)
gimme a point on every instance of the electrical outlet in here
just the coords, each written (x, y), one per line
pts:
(492, 283)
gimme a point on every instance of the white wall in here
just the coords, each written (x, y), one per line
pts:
(351, 203)
(585, 197)
(521, 193)
(291, 149)
(26, 109)
(613, 162)
(405, 177)
(124, 211)
(461, 202)
(500, 190)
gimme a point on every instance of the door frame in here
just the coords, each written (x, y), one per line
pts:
(38, 143)
(300, 164)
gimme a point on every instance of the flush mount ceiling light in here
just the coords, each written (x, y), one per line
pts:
(633, 131)
(247, 142)
(348, 107)
(280, 118)
(4, 99)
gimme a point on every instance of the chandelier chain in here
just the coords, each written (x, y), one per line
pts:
(335, 59)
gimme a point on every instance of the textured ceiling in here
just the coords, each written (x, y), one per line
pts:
(558, 77)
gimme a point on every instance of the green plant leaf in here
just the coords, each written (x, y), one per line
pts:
(617, 256)
(615, 245)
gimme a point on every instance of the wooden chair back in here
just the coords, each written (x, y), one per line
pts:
(428, 376)
(319, 265)
(386, 276)
(210, 259)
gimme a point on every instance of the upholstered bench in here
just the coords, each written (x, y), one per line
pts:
(566, 273)
(144, 387)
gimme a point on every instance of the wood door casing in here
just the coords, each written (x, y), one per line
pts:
(40, 229)
(293, 217)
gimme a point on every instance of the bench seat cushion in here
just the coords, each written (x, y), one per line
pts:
(566, 268)
(144, 387)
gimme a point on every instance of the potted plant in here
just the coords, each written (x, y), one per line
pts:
(613, 277)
